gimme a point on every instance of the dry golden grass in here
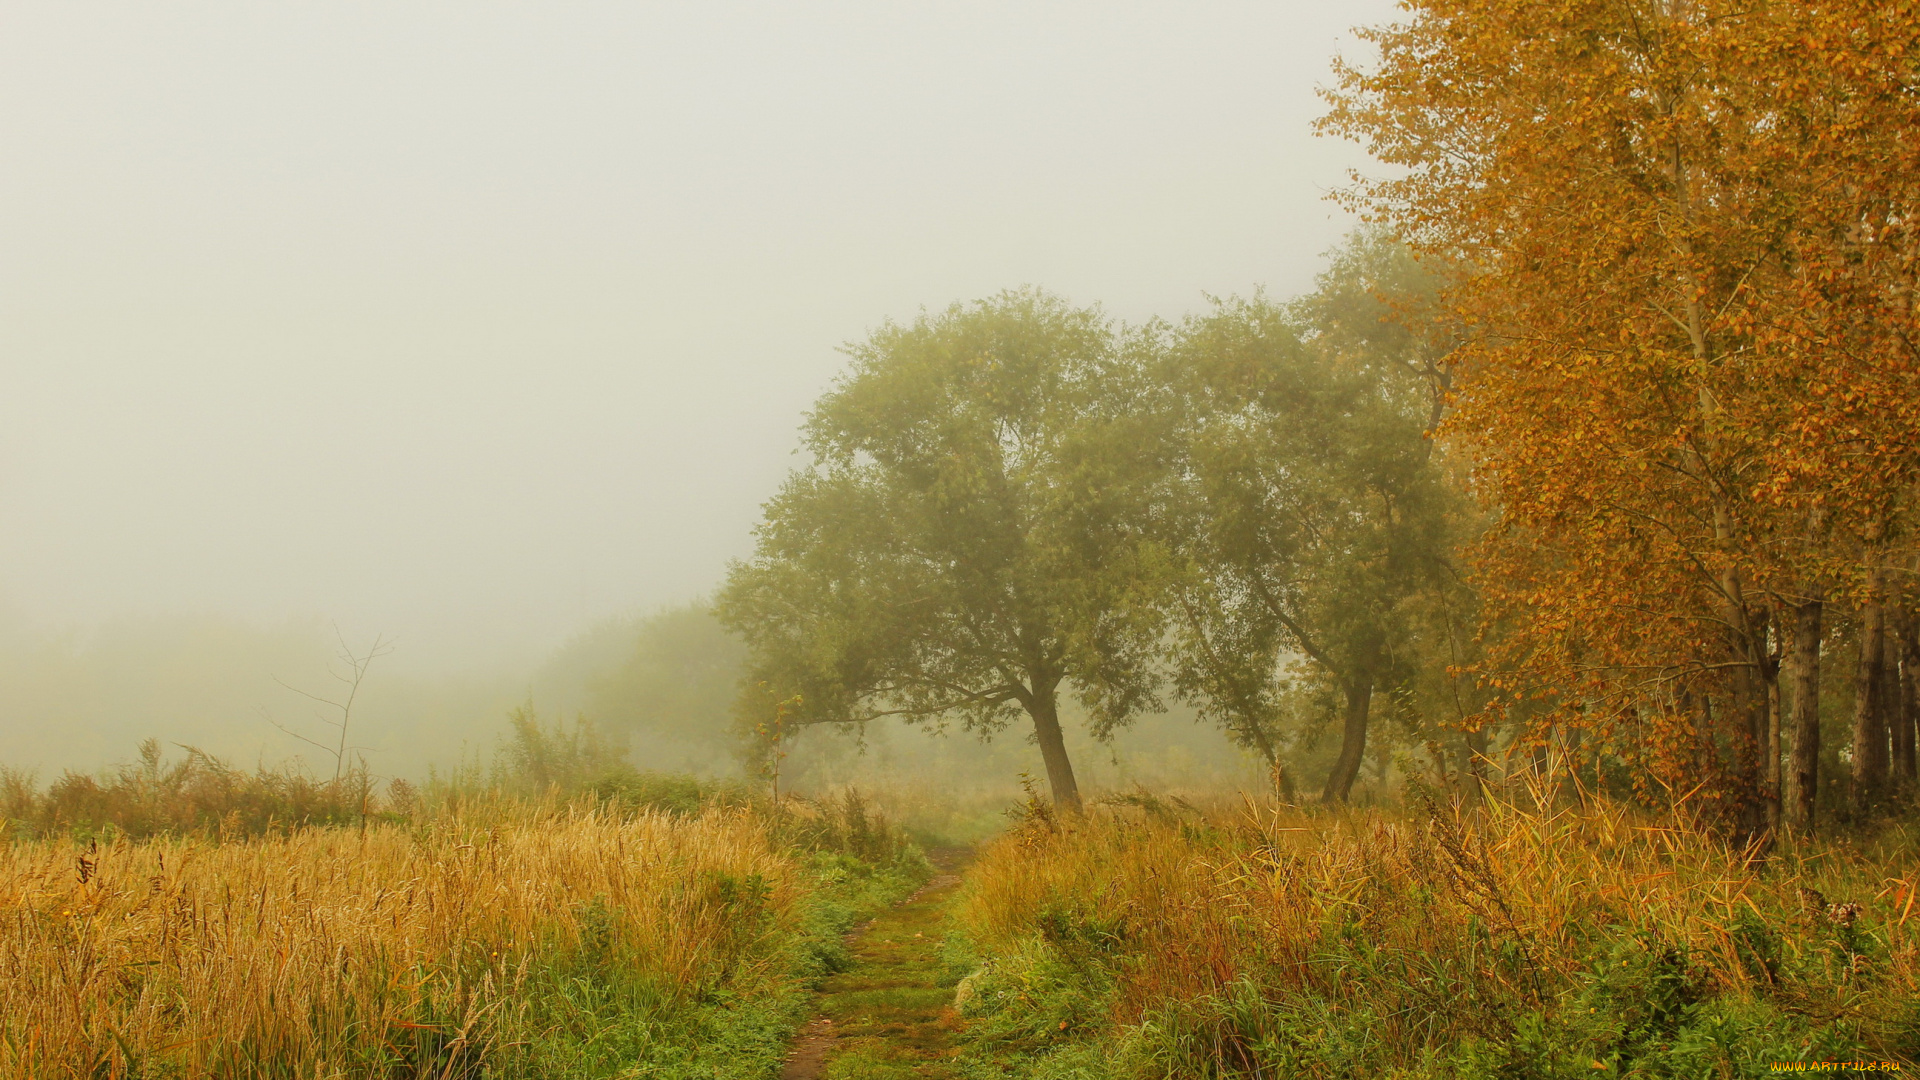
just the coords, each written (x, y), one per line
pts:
(389, 951)
(1438, 928)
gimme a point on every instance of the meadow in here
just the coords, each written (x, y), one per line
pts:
(476, 934)
(1517, 939)
(563, 916)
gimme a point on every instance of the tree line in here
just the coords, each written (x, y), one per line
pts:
(1597, 447)
(1684, 248)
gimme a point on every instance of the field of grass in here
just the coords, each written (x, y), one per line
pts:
(1256, 940)
(498, 939)
(187, 920)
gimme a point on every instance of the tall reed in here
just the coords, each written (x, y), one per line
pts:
(1256, 936)
(388, 950)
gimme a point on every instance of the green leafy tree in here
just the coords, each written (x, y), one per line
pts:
(976, 533)
(1314, 517)
(1377, 311)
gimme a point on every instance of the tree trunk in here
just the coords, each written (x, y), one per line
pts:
(1869, 715)
(1473, 766)
(1283, 783)
(1251, 731)
(1045, 710)
(1746, 727)
(1773, 750)
(1570, 739)
(1353, 741)
(1706, 758)
(1803, 772)
(1907, 720)
(1746, 713)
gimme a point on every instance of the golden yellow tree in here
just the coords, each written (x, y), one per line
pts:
(1687, 238)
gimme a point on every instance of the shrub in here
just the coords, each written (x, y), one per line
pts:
(198, 794)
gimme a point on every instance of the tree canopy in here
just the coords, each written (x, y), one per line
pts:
(1683, 241)
(977, 531)
(1315, 516)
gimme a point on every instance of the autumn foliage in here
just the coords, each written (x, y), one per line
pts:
(1683, 248)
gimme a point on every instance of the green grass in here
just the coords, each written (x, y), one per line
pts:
(606, 1031)
(892, 1008)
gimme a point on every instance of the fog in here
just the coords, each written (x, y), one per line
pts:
(478, 326)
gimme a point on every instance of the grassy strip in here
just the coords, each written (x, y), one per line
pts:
(1262, 941)
(892, 1010)
(739, 1030)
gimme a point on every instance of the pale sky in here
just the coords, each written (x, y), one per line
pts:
(473, 323)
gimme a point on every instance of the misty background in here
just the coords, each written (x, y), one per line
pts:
(487, 328)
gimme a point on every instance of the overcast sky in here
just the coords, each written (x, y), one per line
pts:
(476, 322)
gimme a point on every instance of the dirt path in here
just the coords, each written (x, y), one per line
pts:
(889, 1015)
